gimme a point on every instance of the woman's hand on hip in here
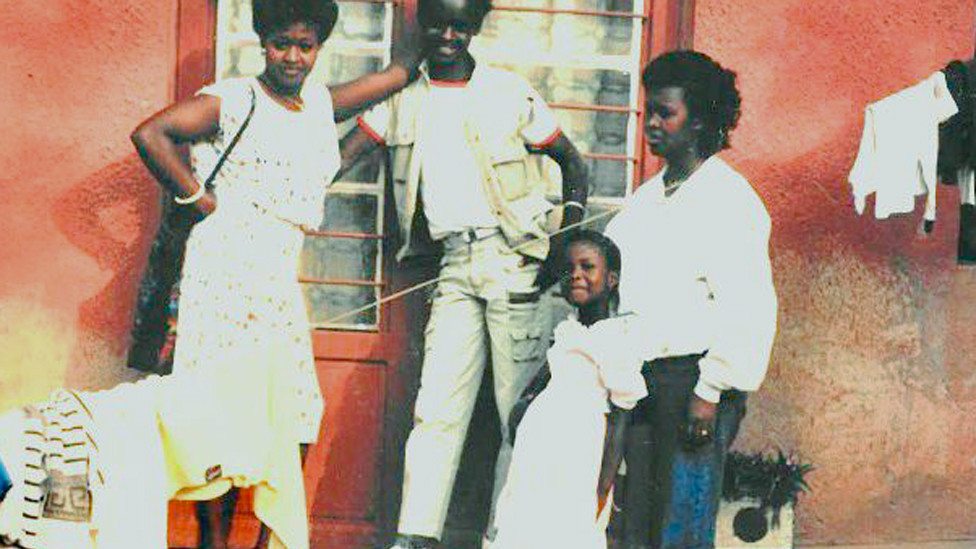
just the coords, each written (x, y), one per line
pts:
(193, 213)
(206, 205)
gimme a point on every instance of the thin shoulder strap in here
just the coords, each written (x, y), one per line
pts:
(233, 142)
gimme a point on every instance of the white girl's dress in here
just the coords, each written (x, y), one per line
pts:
(550, 498)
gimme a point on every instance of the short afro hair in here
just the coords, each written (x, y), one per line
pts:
(478, 8)
(269, 16)
(709, 93)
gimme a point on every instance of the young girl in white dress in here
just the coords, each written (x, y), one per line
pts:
(569, 442)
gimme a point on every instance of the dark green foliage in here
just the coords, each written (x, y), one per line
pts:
(773, 480)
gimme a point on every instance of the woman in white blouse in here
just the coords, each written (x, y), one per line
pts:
(694, 240)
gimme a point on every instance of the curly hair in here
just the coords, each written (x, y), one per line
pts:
(608, 249)
(709, 92)
(273, 15)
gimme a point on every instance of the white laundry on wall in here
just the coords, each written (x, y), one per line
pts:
(899, 148)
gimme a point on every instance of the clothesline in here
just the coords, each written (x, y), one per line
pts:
(424, 284)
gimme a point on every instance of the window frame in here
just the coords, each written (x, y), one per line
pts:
(665, 25)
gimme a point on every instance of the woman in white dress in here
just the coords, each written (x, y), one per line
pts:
(568, 443)
(241, 312)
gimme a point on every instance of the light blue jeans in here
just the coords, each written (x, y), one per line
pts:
(672, 492)
(696, 485)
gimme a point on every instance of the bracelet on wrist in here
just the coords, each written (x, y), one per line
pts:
(196, 196)
(574, 203)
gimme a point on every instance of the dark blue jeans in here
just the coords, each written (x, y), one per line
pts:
(671, 497)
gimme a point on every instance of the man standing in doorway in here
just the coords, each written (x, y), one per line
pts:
(460, 138)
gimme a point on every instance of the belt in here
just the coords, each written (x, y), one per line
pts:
(678, 364)
(469, 236)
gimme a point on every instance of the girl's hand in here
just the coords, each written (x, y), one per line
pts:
(350, 98)
(701, 409)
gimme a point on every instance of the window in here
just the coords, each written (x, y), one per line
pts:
(583, 56)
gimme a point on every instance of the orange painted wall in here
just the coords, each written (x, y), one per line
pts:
(76, 208)
(872, 377)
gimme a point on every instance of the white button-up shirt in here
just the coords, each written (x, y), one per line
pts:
(696, 273)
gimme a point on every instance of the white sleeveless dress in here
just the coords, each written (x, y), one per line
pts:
(241, 311)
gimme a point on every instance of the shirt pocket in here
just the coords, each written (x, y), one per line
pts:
(525, 329)
(508, 159)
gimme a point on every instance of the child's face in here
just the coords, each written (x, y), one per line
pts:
(587, 279)
(448, 27)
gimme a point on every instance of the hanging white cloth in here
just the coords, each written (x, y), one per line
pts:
(899, 148)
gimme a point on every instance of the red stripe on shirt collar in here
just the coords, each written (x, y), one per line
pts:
(449, 83)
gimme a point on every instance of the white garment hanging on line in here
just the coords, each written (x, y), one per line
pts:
(899, 148)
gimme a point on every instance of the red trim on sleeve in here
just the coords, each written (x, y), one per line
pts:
(547, 141)
(449, 83)
(370, 131)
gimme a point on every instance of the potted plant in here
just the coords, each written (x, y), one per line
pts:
(758, 493)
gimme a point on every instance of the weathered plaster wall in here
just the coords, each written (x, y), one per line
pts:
(76, 204)
(872, 377)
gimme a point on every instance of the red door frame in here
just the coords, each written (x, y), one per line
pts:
(196, 31)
